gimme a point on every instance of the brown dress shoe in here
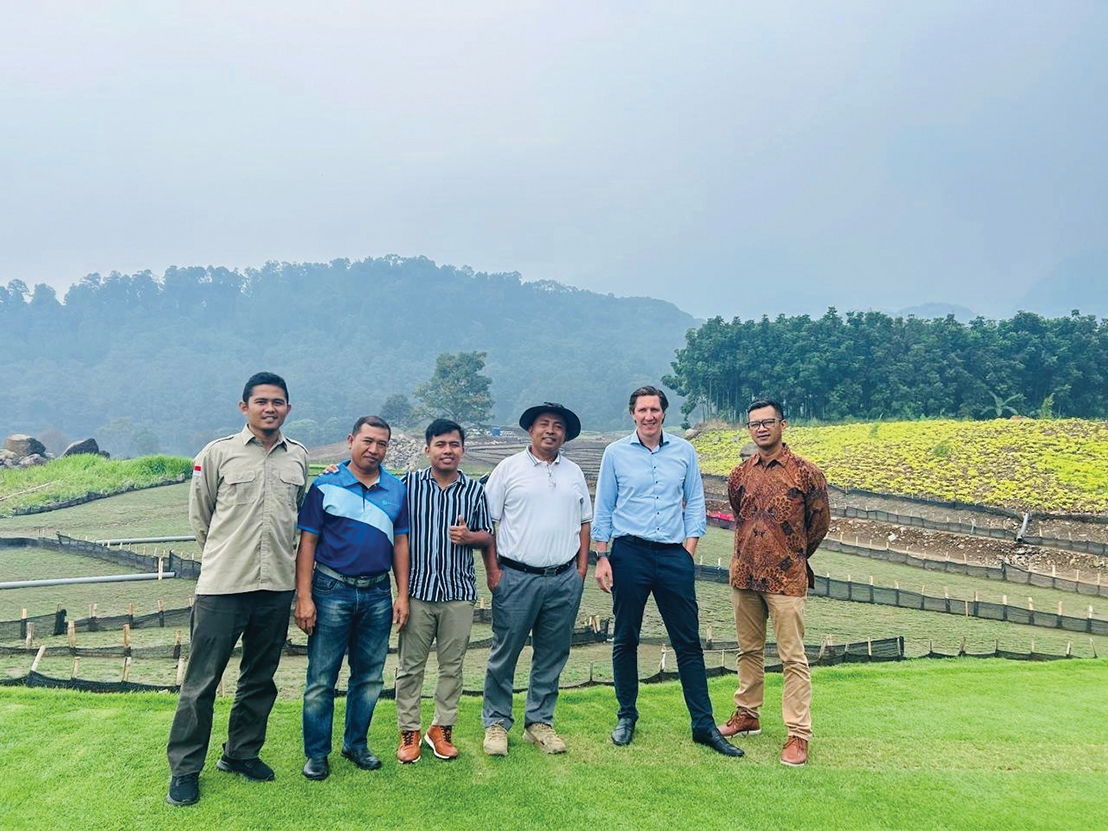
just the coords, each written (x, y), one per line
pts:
(438, 738)
(408, 751)
(741, 723)
(795, 754)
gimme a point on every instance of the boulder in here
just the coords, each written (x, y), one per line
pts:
(22, 445)
(32, 460)
(748, 450)
(88, 446)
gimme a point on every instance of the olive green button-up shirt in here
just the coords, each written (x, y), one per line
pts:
(242, 507)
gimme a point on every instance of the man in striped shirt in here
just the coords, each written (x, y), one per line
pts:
(448, 518)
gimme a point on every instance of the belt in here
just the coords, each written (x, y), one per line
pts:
(549, 571)
(363, 582)
(645, 543)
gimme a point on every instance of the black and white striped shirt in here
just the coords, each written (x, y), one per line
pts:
(442, 570)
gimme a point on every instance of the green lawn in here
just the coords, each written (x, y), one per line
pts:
(919, 745)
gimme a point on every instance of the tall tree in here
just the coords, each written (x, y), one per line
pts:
(457, 389)
(397, 410)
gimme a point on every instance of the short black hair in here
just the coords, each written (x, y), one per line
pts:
(371, 421)
(259, 379)
(759, 403)
(442, 426)
(648, 390)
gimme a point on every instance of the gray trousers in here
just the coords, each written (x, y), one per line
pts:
(447, 624)
(261, 618)
(544, 608)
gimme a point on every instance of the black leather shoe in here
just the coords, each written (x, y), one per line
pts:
(253, 769)
(317, 769)
(184, 790)
(362, 758)
(624, 732)
(710, 737)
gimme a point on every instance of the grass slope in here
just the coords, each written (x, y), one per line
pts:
(76, 477)
(932, 745)
(1043, 465)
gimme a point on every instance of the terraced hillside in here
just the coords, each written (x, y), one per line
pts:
(1057, 466)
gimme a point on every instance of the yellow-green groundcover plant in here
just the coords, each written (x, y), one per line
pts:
(1056, 465)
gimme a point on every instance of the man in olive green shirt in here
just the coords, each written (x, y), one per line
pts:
(246, 490)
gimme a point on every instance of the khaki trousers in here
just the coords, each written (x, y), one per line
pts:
(447, 624)
(751, 610)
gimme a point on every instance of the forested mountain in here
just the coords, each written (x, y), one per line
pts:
(147, 363)
(867, 365)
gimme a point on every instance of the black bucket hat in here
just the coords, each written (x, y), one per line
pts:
(573, 423)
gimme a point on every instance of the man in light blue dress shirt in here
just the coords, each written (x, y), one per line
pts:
(648, 519)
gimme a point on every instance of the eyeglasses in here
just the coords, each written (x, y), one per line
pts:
(765, 422)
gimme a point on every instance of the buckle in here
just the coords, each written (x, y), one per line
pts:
(550, 571)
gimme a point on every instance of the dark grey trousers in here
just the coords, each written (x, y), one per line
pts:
(261, 618)
(544, 608)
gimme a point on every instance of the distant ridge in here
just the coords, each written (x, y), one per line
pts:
(159, 362)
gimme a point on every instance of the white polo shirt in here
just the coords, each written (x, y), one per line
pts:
(540, 506)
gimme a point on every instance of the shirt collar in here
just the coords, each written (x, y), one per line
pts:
(348, 479)
(634, 439)
(779, 457)
(245, 436)
(426, 475)
(535, 460)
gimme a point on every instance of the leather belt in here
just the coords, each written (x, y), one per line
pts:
(645, 543)
(549, 571)
(357, 582)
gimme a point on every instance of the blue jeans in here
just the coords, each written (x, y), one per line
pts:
(347, 619)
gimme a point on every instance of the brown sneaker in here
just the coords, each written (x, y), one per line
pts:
(741, 723)
(496, 740)
(795, 754)
(408, 750)
(438, 738)
(544, 738)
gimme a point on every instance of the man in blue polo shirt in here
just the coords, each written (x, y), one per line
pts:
(353, 531)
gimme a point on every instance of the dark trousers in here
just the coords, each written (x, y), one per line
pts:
(668, 572)
(261, 618)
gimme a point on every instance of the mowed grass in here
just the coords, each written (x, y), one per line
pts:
(919, 745)
(1054, 465)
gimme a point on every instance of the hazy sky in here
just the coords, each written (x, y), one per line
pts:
(735, 158)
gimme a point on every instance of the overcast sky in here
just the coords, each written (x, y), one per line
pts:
(735, 158)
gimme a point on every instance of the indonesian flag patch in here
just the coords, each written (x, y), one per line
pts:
(196, 468)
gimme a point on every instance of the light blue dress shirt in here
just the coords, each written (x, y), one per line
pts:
(655, 494)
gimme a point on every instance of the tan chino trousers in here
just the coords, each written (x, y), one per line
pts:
(447, 624)
(751, 611)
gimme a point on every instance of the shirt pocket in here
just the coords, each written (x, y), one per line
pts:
(240, 487)
(292, 480)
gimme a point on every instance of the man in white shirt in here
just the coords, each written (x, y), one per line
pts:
(541, 502)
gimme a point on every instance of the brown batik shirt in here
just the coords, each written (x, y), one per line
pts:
(781, 516)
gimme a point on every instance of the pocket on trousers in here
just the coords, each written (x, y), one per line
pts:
(322, 584)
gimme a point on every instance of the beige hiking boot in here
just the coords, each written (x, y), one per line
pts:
(544, 738)
(496, 740)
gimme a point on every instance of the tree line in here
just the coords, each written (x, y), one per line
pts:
(155, 361)
(869, 365)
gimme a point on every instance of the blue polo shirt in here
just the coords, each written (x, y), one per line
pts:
(356, 525)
